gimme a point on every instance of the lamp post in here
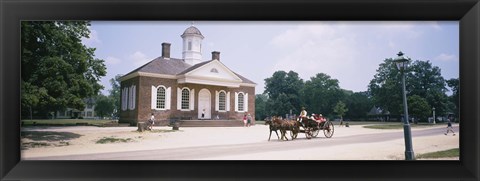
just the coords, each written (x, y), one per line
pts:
(434, 116)
(402, 64)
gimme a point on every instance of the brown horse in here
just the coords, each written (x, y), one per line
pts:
(274, 125)
(289, 125)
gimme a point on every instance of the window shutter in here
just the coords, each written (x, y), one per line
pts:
(192, 99)
(217, 103)
(227, 101)
(134, 96)
(168, 95)
(154, 97)
(179, 98)
(236, 102)
(245, 102)
(123, 99)
(126, 99)
(130, 97)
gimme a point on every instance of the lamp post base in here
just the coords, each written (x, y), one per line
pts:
(409, 155)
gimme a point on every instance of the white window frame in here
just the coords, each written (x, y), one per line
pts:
(245, 102)
(217, 101)
(191, 100)
(154, 97)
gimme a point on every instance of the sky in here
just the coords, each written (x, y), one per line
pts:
(349, 51)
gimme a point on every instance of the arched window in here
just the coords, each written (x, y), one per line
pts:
(240, 101)
(161, 98)
(185, 99)
(221, 101)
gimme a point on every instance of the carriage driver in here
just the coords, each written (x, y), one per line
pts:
(303, 114)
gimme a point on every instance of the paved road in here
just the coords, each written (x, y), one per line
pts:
(193, 153)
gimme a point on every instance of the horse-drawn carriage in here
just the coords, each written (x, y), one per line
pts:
(312, 126)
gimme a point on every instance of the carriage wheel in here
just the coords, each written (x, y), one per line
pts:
(315, 132)
(308, 133)
(328, 129)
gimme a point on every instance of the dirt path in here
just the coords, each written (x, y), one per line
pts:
(238, 143)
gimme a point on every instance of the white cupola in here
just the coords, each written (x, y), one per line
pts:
(192, 45)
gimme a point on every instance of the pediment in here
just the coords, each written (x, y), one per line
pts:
(214, 70)
(211, 73)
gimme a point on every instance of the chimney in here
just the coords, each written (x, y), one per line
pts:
(216, 55)
(166, 50)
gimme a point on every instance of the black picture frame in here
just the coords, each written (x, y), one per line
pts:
(467, 12)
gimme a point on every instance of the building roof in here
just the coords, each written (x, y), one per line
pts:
(193, 67)
(192, 30)
(160, 65)
(173, 66)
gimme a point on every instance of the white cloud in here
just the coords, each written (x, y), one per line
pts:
(138, 58)
(112, 60)
(446, 57)
(92, 40)
(322, 48)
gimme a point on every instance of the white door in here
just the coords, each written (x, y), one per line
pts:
(204, 104)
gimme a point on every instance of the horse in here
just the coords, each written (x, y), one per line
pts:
(274, 125)
(289, 125)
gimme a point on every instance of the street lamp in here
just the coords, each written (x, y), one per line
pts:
(402, 64)
(434, 116)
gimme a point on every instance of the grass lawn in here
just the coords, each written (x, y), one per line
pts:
(440, 154)
(64, 122)
(105, 140)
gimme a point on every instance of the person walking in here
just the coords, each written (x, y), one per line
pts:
(151, 122)
(449, 128)
(245, 120)
(249, 120)
(203, 114)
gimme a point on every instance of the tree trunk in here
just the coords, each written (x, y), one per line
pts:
(142, 126)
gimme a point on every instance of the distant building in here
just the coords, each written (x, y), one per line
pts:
(185, 88)
(378, 114)
(87, 113)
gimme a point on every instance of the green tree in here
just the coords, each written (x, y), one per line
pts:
(358, 105)
(58, 71)
(340, 109)
(321, 93)
(260, 106)
(418, 107)
(426, 81)
(104, 105)
(284, 93)
(115, 94)
(454, 98)
(385, 87)
(422, 79)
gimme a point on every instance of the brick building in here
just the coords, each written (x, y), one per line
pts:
(184, 88)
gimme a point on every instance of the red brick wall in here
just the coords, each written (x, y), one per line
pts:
(129, 116)
(143, 108)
